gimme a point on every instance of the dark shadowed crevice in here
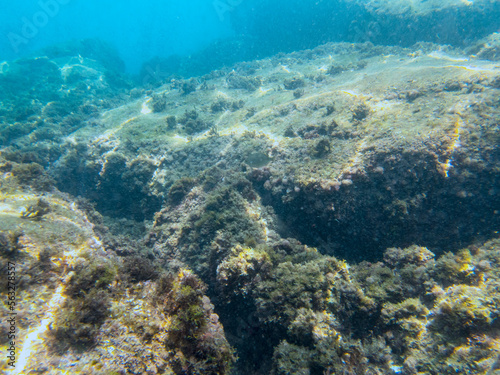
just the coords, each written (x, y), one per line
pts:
(400, 200)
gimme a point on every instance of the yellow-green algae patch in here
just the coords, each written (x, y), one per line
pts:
(79, 311)
(408, 98)
(352, 152)
(67, 233)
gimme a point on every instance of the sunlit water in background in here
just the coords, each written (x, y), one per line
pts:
(246, 143)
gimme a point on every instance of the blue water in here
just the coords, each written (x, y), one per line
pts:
(141, 30)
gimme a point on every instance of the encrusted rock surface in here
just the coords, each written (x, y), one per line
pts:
(336, 208)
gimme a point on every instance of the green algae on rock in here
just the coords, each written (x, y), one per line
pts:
(348, 228)
(77, 308)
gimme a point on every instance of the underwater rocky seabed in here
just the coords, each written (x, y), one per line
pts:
(329, 211)
(265, 27)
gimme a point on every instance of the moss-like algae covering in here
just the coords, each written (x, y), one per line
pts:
(336, 209)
